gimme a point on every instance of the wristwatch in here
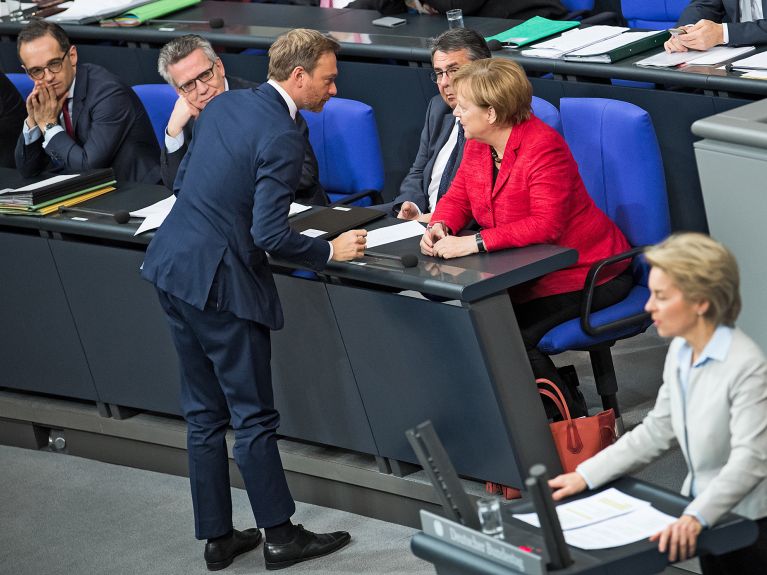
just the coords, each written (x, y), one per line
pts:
(50, 125)
(480, 243)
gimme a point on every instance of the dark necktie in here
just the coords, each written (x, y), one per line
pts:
(67, 119)
(447, 175)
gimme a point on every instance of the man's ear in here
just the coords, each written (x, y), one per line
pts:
(73, 55)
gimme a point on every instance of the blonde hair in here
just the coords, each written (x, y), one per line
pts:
(704, 270)
(499, 84)
(300, 47)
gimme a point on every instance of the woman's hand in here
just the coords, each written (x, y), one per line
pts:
(679, 538)
(567, 484)
(455, 247)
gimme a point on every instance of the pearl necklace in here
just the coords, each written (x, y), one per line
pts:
(497, 159)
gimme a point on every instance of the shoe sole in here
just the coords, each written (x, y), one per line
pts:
(274, 566)
(219, 565)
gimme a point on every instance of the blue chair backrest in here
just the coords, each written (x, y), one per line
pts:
(24, 84)
(547, 112)
(158, 101)
(652, 14)
(345, 140)
(576, 5)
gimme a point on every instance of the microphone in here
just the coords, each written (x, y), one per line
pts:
(494, 45)
(408, 260)
(120, 216)
(213, 22)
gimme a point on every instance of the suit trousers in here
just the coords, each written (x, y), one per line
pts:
(226, 379)
(751, 560)
(536, 317)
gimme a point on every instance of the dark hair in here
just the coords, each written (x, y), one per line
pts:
(38, 28)
(461, 39)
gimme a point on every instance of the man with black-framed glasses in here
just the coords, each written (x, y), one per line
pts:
(441, 147)
(79, 116)
(192, 67)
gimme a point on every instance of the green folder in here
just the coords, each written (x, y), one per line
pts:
(532, 30)
(610, 54)
(149, 11)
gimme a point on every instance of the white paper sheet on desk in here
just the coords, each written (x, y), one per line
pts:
(394, 233)
(573, 40)
(597, 508)
(710, 57)
(755, 62)
(154, 215)
(622, 530)
(91, 10)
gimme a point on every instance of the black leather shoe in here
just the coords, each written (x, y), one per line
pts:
(305, 545)
(220, 554)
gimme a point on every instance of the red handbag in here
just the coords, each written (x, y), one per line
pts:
(575, 439)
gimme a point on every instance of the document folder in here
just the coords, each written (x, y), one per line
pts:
(619, 47)
(329, 222)
(532, 30)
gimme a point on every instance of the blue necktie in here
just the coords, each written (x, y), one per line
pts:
(450, 167)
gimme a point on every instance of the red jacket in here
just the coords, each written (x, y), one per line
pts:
(538, 198)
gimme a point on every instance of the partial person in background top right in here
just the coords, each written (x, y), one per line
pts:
(709, 23)
(713, 404)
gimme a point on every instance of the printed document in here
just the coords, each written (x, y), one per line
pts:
(394, 233)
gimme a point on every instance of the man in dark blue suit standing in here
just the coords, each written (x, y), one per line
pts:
(209, 265)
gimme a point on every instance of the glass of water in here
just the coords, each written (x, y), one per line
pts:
(454, 18)
(489, 511)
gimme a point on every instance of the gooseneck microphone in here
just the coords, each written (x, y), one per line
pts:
(120, 216)
(213, 22)
(408, 260)
(494, 45)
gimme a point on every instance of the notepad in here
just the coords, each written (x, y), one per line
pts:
(529, 31)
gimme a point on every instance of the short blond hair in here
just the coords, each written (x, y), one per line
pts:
(300, 47)
(499, 84)
(704, 270)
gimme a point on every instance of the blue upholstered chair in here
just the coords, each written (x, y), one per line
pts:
(547, 112)
(619, 160)
(158, 101)
(345, 140)
(652, 14)
(24, 84)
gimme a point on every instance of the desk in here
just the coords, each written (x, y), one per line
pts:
(377, 63)
(638, 558)
(354, 367)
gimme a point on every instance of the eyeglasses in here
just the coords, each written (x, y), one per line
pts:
(54, 67)
(205, 77)
(438, 75)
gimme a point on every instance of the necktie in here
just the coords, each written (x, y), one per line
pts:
(447, 175)
(67, 119)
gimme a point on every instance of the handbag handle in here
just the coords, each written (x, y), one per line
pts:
(574, 443)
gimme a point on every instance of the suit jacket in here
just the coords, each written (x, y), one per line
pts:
(309, 188)
(436, 131)
(538, 197)
(235, 186)
(723, 434)
(111, 129)
(518, 9)
(720, 11)
(12, 114)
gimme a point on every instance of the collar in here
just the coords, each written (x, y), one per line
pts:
(71, 93)
(716, 349)
(292, 108)
(226, 85)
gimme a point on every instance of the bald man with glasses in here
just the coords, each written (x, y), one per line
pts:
(79, 116)
(192, 67)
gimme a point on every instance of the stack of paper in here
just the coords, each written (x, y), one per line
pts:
(86, 11)
(619, 47)
(47, 196)
(572, 41)
(710, 57)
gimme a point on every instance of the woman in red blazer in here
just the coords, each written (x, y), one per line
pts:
(520, 183)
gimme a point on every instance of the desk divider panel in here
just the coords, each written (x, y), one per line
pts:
(39, 344)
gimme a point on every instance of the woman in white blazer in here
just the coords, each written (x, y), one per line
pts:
(713, 403)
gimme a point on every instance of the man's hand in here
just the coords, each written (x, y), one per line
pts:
(455, 247)
(48, 106)
(408, 211)
(679, 538)
(674, 45)
(349, 245)
(702, 35)
(180, 116)
(567, 484)
(32, 107)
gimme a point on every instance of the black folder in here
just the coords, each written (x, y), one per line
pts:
(327, 223)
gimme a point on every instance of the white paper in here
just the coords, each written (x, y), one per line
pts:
(296, 208)
(312, 233)
(710, 57)
(154, 215)
(394, 233)
(618, 41)
(621, 530)
(720, 54)
(757, 61)
(573, 40)
(93, 9)
(589, 510)
(37, 185)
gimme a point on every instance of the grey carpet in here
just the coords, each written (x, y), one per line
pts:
(67, 515)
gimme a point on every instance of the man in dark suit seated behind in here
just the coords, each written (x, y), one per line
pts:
(79, 116)
(441, 146)
(12, 114)
(191, 66)
(710, 23)
(517, 9)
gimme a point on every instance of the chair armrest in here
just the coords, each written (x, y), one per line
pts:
(588, 296)
(375, 196)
